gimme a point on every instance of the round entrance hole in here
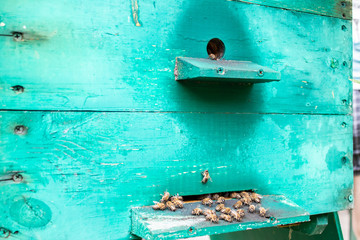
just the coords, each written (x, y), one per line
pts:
(215, 49)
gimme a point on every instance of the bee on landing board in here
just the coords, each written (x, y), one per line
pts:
(262, 211)
(219, 207)
(165, 197)
(255, 197)
(246, 200)
(241, 212)
(212, 218)
(245, 194)
(197, 211)
(176, 197)
(208, 212)
(235, 215)
(220, 200)
(178, 203)
(206, 176)
(238, 204)
(159, 206)
(226, 210)
(207, 201)
(170, 206)
(252, 208)
(215, 197)
(235, 195)
(226, 217)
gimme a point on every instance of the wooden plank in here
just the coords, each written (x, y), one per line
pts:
(208, 70)
(90, 169)
(93, 56)
(150, 224)
(338, 8)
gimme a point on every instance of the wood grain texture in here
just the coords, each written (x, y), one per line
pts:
(338, 8)
(86, 170)
(92, 55)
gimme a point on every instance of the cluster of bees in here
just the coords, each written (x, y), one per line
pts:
(169, 202)
(226, 213)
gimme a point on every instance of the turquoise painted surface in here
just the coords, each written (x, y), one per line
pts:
(126, 130)
(340, 9)
(201, 69)
(92, 56)
(91, 168)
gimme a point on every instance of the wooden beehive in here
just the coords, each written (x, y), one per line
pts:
(94, 125)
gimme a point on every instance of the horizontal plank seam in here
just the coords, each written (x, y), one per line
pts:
(124, 111)
(294, 10)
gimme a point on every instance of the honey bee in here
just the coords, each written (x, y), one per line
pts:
(255, 197)
(219, 207)
(252, 208)
(220, 200)
(207, 201)
(245, 194)
(206, 176)
(235, 195)
(246, 200)
(212, 218)
(215, 196)
(238, 204)
(262, 211)
(241, 212)
(159, 206)
(176, 197)
(178, 203)
(209, 212)
(165, 197)
(235, 215)
(196, 211)
(226, 217)
(226, 210)
(170, 206)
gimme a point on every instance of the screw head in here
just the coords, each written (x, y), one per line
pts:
(20, 130)
(350, 198)
(18, 89)
(17, 177)
(18, 36)
(220, 70)
(260, 73)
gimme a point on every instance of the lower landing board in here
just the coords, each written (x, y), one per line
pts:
(150, 224)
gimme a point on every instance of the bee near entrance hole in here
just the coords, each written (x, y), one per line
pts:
(215, 49)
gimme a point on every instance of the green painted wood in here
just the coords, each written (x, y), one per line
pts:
(82, 172)
(201, 69)
(339, 8)
(93, 55)
(150, 224)
(331, 232)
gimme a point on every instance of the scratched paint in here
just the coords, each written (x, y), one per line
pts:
(113, 129)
